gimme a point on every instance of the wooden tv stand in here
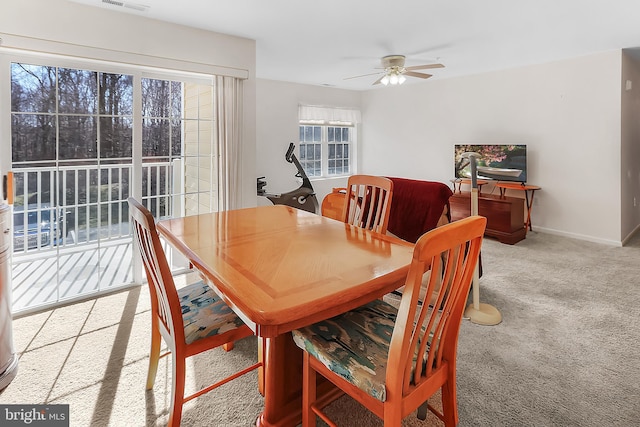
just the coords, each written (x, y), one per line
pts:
(505, 215)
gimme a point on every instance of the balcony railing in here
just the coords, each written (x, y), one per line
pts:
(71, 233)
(75, 205)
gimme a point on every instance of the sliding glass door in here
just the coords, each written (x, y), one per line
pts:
(84, 137)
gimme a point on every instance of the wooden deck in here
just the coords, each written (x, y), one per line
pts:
(66, 274)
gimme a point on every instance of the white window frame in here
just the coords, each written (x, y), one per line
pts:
(9, 56)
(326, 117)
(324, 144)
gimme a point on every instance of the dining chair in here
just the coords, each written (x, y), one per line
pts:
(333, 203)
(191, 319)
(392, 360)
(368, 202)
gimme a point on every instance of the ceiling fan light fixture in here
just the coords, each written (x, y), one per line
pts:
(393, 77)
(395, 73)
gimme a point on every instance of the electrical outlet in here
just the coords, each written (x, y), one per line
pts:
(635, 203)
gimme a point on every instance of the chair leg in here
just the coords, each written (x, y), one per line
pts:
(392, 415)
(308, 392)
(262, 345)
(449, 402)
(423, 410)
(154, 353)
(177, 390)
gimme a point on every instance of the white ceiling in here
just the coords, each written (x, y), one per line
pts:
(325, 41)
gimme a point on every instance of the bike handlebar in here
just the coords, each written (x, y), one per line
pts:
(291, 158)
(288, 156)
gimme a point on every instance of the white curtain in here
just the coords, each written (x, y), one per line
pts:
(328, 114)
(228, 108)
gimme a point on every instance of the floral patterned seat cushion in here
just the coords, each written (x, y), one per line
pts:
(354, 345)
(203, 313)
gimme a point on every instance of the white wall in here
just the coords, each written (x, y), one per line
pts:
(277, 126)
(567, 112)
(137, 40)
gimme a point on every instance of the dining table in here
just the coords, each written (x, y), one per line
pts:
(280, 268)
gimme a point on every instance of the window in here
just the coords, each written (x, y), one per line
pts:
(333, 140)
(311, 149)
(339, 142)
(71, 138)
(84, 136)
(178, 150)
(72, 144)
(327, 141)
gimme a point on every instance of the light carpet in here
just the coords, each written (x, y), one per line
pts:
(566, 353)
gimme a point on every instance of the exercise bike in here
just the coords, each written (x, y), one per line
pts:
(302, 197)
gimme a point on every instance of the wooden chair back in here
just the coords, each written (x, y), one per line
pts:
(165, 305)
(368, 202)
(218, 327)
(393, 375)
(429, 332)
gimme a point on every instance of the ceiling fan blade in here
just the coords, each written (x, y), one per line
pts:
(433, 48)
(377, 82)
(363, 75)
(419, 75)
(424, 67)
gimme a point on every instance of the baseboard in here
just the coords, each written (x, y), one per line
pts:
(75, 300)
(579, 236)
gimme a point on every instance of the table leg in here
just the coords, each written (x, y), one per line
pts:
(528, 200)
(529, 206)
(283, 384)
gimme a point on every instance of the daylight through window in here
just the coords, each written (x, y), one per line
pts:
(327, 140)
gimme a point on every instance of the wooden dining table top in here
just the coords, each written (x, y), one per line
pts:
(280, 268)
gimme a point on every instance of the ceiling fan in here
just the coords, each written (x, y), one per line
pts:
(394, 71)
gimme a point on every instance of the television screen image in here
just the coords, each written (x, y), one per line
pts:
(497, 162)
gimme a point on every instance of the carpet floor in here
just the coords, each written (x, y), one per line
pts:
(565, 354)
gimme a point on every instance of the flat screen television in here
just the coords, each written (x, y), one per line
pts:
(497, 162)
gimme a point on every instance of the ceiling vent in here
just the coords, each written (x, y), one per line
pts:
(129, 5)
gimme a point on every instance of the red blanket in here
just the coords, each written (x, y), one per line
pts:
(416, 207)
